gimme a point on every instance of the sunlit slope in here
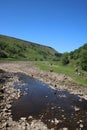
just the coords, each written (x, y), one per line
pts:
(17, 49)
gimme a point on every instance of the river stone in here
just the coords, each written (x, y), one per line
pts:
(56, 121)
(65, 128)
(81, 125)
(4, 124)
(80, 121)
(23, 118)
(52, 121)
(76, 108)
(30, 117)
(9, 106)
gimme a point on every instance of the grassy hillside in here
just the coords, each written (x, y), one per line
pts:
(68, 63)
(17, 49)
(77, 57)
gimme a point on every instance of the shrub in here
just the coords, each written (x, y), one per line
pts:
(65, 59)
(3, 54)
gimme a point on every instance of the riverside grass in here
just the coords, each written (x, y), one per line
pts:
(61, 69)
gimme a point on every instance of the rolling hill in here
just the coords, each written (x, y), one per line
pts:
(80, 56)
(16, 49)
(77, 57)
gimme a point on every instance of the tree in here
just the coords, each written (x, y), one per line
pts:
(58, 54)
(3, 54)
(83, 60)
(3, 45)
(65, 58)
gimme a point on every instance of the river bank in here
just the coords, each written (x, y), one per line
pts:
(55, 80)
(9, 94)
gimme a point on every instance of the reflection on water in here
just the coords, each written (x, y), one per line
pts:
(56, 108)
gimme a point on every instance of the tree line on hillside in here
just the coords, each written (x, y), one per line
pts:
(9, 50)
(79, 57)
(17, 50)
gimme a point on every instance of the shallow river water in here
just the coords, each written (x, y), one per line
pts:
(56, 108)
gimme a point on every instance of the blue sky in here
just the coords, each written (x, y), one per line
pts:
(61, 24)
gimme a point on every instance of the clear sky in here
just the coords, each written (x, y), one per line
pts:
(61, 24)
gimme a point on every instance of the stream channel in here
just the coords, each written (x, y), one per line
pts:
(56, 108)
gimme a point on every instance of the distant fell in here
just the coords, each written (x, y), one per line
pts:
(16, 49)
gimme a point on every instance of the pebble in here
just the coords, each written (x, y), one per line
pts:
(46, 96)
(80, 120)
(65, 128)
(23, 118)
(56, 121)
(52, 108)
(52, 121)
(30, 117)
(76, 108)
(81, 125)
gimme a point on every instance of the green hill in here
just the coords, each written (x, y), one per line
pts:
(80, 56)
(77, 57)
(17, 49)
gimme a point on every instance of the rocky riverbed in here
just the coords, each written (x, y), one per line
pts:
(55, 80)
(8, 94)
